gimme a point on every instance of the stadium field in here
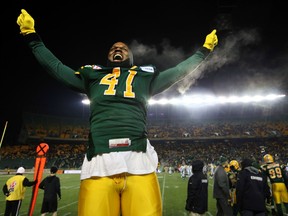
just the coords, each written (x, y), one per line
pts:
(173, 189)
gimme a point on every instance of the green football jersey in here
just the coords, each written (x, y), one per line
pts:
(274, 172)
(118, 102)
(118, 96)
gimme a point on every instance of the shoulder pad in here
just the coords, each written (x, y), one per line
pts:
(96, 67)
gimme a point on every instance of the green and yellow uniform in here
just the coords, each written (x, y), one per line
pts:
(118, 172)
(118, 96)
(275, 174)
(120, 164)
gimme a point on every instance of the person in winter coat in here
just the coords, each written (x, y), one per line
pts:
(252, 190)
(51, 187)
(197, 190)
(221, 188)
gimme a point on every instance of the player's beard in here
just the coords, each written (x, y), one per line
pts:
(126, 63)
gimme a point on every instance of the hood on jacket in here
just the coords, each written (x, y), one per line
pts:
(252, 169)
(197, 166)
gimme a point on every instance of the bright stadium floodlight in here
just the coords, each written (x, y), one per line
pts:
(152, 101)
(212, 100)
(163, 101)
(273, 96)
(174, 101)
(86, 101)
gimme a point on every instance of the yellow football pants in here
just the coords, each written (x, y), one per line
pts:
(120, 195)
(280, 193)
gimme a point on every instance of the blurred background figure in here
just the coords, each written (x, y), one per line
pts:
(234, 169)
(275, 172)
(14, 189)
(252, 190)
(52, 189)
(197, 191)
(221, 188)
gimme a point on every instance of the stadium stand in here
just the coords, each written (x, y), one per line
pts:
(175, 141)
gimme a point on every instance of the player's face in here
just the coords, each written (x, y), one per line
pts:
(119, 52)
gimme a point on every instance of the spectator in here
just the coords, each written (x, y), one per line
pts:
(221, 188)
(51, 187)
(197, 192)
(251, 190)
(14, 189)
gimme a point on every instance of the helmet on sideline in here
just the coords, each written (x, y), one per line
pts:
(268, 158)
(235, 164)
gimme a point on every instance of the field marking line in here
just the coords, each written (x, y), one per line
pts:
(70, 187)
(163, 190)
(68, 205)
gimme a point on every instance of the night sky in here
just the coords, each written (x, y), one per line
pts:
(251, 56)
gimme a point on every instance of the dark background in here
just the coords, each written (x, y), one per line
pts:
(251, 57)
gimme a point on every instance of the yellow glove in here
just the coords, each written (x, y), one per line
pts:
(211, 40)
(26, 23)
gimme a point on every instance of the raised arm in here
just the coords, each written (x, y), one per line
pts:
(173, 75)
(45, 57)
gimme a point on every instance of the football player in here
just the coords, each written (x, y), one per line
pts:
(118, 175)
(274, 172)
(234, 168)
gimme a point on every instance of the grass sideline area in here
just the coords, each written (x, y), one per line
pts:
(173, 189)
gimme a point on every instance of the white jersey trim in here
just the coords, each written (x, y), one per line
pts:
(113, 163)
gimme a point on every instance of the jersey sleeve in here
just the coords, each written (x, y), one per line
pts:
(175, 74)
(52, 64)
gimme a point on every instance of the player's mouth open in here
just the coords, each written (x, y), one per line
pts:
(117, 56)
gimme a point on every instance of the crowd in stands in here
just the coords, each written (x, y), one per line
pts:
(61, 155)
(165, 129)
(176, 153)
(171, 153)
(175, 142)
(218, 129)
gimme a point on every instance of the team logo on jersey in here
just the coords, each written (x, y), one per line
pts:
(88, 66)
(12, 186)
(147, 69)
(96, 67)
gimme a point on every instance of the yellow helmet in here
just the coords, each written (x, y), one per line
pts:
(227, 169)
(235, 164)
(268, 158)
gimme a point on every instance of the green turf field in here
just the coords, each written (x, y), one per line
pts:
(173, 190)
